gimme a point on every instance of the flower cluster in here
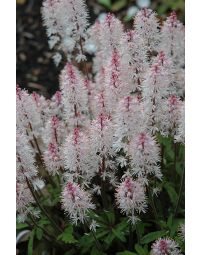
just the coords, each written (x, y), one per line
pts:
(165, 246)
(76, 202)
(104, 122)
(130, 197)
(66, 23)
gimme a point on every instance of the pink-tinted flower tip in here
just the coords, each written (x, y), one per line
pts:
(53, 150)
(36, 97)
(155, 69)
(18, 90)
(76, 135)
(173, 100)
(161, 57)
(109, 18)
(54, 122)
(142, 140)
(173, 19)
(70, 71)
(102, 119)
(58, 97)
(130, 34)
(146, 12)
(127, 102)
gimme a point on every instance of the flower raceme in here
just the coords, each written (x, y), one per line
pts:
(76, 202)
(165, 246)
(66, 23)
(145, 156)
(130, 198)
(74, 95)
(23, 200)
(104, 121)
(79, 160)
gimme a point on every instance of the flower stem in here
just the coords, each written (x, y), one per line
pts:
(42, 208)
(48, 236)
(35, 223)
(97, 243)
(152, 204)
(137, 233)
(180, 193)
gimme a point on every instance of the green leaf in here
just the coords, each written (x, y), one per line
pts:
(140, 226)
(67, 235)
(99, 234)
(171, 192)
(110, 216)
(39, 233)
(162, 223)
(152, 236)
(43, 221)
(95, 251)
(140, 250)
(106, 3)
(122, 225)
(126, 253)
(30, 242)
(85, 242)
(21, 225)
(119, 234)
(175, 225)
(118, 5)
(109, 239)
(70, 252)
(170, 221)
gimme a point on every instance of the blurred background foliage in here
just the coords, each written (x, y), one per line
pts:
(35, 68)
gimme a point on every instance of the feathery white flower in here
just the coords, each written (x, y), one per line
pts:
(79, 159)
(156, 87)
(144, 152)
(66, 22)
(172, 39)
(128, 119)
(181, 231)
(76, 202)
(147, 26)
(171, 115)
(74, 95)
(23, 200)
(180, 135)
(132, 53)
(130, 198)
(93, 225)
(26, 167)
(117, 84)
(28, 114)
(54, 131)
(106, 37)
(165, 246)
(53, 158)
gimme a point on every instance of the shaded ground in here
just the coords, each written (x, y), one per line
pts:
(35, 68)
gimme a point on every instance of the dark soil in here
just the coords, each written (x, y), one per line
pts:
(35, 68)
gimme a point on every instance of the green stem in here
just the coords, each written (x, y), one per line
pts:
(137, 233)
(35, 223)
(153, 204)
(42, 208)
(162, 157)
(97, 243)
(180, 193)
(47, 236)
(175, 156)
(103, 195)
